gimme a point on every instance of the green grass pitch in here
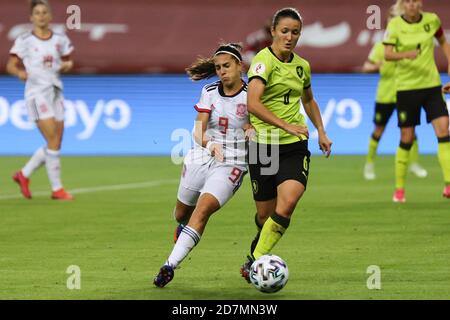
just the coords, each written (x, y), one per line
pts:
(119, 232)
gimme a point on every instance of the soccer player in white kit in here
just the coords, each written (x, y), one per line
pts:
(44, 54)
(213, 170)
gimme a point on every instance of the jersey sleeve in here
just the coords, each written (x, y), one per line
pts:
(204, 104)
(260, 67)
(437, 26)
(66, 46)
(18, 48)
(376, 55)
(390, 35)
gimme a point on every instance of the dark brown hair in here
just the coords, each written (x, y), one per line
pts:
(34, 3)
(204, 68)
(286, 13)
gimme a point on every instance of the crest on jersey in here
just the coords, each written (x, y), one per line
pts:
(241, 110)
(427, 27)
(259, 68)
(299, 70)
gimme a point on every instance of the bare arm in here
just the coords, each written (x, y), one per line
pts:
(391, 55)
(66, 65)
(12, 67)
(312, 110)
(258, 109)
(445, 48)
(201, 137)
(446, 88)
(371, 67)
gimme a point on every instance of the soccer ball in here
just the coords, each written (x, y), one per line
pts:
(269, 273)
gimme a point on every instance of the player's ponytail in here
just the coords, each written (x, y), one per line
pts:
(202, 68)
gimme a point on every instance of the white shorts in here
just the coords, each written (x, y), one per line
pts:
(218, 179)
(47, 104)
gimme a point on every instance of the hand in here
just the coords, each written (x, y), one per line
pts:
(215, 150)
(446, 88)
(325, 144)
(411, 54)
(249, 132)
(66, 66)
(22, 75)
(296, 130)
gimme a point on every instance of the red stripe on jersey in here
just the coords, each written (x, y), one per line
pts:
(201, 110)
(439, 32)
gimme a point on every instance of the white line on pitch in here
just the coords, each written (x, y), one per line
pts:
(128, 186)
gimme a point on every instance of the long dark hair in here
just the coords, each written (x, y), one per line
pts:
(204, 68)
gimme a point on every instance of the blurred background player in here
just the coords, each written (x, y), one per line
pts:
(278, 79)
(44, 54)
(256, 41)
(213, 170)
(409, 40)
(385, 106)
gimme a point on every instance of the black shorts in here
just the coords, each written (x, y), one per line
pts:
(410, 102)
(383, 112)
(270, 167)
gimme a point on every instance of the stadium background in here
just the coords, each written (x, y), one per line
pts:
(128, 93)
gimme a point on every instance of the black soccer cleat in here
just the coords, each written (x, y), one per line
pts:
(164, 276)
(245, 268)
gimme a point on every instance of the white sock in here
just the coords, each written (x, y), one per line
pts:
(187, 240)
(53, 164)
(35, 162)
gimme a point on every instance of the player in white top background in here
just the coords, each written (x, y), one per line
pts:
(44, 54)
(214, 168)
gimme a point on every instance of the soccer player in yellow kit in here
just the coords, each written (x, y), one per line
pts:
(409, 41)
(385, 105)
(278, 79)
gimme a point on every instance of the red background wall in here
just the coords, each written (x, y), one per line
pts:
(167, 35)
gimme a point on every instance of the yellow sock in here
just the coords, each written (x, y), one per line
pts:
(401, 167)
(444, 159)
(414, 154)
(373, 146)
(272, 231)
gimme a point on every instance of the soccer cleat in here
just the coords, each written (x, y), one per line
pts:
(245, 268)
(23, 182)
(61, 194)
(177, 232)
(369, 171)
(399, 196)
(164, 276)
(446, 192)
(418, 170)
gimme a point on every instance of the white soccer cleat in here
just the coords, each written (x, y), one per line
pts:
(418, 170)
(369, 171)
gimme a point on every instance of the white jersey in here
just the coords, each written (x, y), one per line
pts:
(228, 114)
(42, 59)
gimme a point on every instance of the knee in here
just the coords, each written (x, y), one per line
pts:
(286, 205)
